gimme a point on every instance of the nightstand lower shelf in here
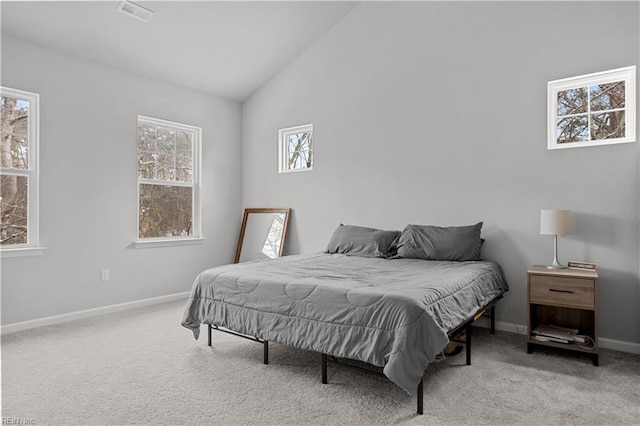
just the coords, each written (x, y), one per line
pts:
(573, 347)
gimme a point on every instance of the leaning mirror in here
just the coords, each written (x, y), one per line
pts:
(262, 234)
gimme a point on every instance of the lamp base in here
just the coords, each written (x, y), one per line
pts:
(556, 265)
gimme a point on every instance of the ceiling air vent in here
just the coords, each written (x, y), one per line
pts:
(135, 11)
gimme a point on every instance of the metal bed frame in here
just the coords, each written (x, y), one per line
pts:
(465, 326)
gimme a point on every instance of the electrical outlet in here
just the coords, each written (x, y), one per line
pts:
(104, 275)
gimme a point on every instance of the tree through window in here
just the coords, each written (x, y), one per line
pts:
(167, 179)
(19, 168)
(295, 146)
(594, 109)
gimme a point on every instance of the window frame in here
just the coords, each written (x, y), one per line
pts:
(196, 202)
(32, 247)
(283, 150)
(626, 74)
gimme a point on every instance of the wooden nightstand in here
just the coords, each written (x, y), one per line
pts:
(566, 298)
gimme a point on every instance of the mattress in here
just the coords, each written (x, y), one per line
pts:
(392, 313)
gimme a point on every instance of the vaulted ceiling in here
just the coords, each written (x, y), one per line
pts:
(225, 48)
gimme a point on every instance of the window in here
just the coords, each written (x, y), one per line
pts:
(19, 172)
(295, 146)
(593, 109)
(168, 180)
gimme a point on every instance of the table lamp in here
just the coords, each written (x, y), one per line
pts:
(555, 222)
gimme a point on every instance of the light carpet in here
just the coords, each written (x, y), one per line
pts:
(142, 367)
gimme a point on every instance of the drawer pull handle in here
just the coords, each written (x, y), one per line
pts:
(561, 291)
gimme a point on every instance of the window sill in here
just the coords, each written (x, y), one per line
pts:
(167, 242)
(306, 169)
(21, 252)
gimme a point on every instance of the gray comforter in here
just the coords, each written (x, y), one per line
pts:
(390, 313)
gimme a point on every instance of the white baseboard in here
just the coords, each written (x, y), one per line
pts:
(603, 342)
(619, 345)
(57, 319)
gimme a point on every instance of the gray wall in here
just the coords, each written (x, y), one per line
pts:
(434, 113)
(88, 185)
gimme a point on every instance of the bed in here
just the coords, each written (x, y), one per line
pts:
(391, 312)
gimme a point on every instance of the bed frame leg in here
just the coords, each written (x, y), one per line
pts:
(324, 369)
(467, 342)
(266, 352)
(209, 334)
(492, 330)
(420, 396)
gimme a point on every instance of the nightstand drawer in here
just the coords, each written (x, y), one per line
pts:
(553, 290)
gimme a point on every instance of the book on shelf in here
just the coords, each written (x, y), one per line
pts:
(584, 266)
(549, 339)
(554, 333)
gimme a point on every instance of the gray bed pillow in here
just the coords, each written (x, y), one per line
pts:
(360, 241)
(460, 243)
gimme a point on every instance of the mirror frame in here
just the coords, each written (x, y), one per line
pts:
(245, 217)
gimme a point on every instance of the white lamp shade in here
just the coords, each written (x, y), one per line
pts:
(555, 222)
